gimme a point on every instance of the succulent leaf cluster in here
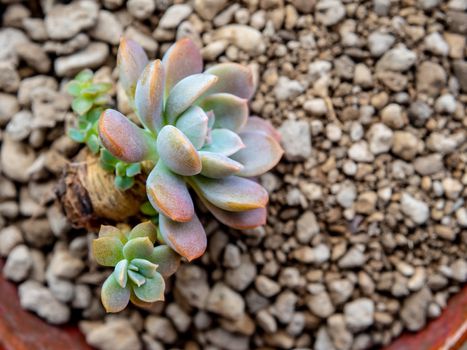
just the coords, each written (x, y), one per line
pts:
(197, 133)
(139, 267)
(90, 99)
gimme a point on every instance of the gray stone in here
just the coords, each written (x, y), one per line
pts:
(414, 309)
(160, 328)
(417, 210)
(287, 89)
(16, 158)
(398, 59)
(208, 9)
(460, 71)
(65, 265)
(435, 43)
(242, 276)
(174, 15)
(307, 227)
(20, 125)
(380, 138)
(266, 286)
(329, 12)
(91, 57)
(360, 152)
(320, 304)
(354, 257)
(296, 139)
(18, 264)
(65, 21)
(359, 314)
(459, 270)
(10, 38)
(379, 43)
(114, 335)
(10, 237)
(35, 297)
(225, 302)
(431, 78)
(429, 165)
(244, 37)
(446, 104)
(9, 78)
(108, 28)
(8, 107)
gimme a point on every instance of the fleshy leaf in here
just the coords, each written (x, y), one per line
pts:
(234, 79)
(232, 193)
(177, 152)
(107, 250)
(187, 238)
(258, 144)
(217, 166)
(124, 139)
(152, 290)
(121, 272)
(131, 60)
(114, 298)
(256, 124)
(139, 247)
(224, 141)
(186, 93)
(231, 111)
(194, 124)
(149, 96)
(112, 231)
(167, 260)
(145, 267)
(136, 278)
(181, 60)
(145, 229)
(168, 194)
(241, 220)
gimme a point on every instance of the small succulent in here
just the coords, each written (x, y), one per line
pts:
(197, 133)
(139, 267)
(90, 99)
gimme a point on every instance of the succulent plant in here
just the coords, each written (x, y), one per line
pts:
(139, 267)
(197, 133)
(90, 98)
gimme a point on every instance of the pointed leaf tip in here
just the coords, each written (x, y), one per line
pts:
(186, 93)
(234, 79)
(149, 96)
(258, 143)
(188, 238)
(131, 60)
(124, 139)
(232, 193)
(217, 165)
(231, 111)
(181, 60)
(177, 152)
(168, 193)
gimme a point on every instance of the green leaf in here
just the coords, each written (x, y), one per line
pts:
(145, 267)
(136, 278)
(121, 272)
(147, 209)
(145, 229)
(74, 88)
(124, 183)
(114, 298)
(93, 115)
(84, 76)
(108, 158)
(107, 251)
(139, 247)
(81, 105)
(76, 135)
(152, 290)
(120, 168)
(93, 144)
(167, 260)
(133, 169)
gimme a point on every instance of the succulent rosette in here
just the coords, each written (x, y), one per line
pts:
(197, 132)
(139, 267)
